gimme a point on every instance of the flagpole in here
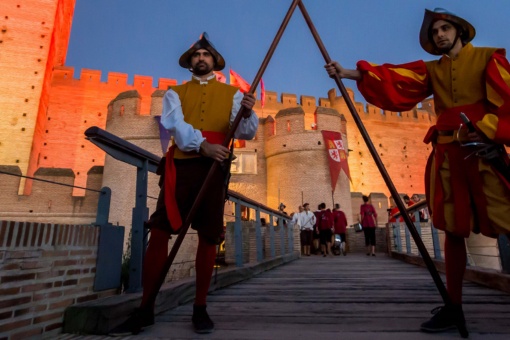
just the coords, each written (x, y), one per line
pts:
(185, 226)
(417, 239)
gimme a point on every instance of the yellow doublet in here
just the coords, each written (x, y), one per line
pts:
(206, 106)
(460, 80)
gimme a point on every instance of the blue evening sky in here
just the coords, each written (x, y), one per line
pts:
(147, 37)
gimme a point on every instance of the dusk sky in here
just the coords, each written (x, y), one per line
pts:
(148, 37)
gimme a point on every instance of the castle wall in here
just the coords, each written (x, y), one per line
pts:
(49, 203)
(250, 185)
(127, 121)
(397, 137)
(34, 38)
(77, 104)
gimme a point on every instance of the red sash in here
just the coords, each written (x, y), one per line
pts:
(172, 210)
(450, 119)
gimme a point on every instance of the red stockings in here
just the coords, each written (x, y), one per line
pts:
(204, 266)
(455, 262)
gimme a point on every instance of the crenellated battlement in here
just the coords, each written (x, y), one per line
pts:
(127, 110)
(421, 113)
(141, 83)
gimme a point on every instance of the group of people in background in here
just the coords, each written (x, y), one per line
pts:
(322, 231)
(409, 201)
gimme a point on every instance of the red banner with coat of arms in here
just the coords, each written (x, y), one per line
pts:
(337, 155)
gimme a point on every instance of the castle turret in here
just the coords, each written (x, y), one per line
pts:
(297, 161)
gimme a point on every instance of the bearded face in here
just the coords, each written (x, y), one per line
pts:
(202, 62)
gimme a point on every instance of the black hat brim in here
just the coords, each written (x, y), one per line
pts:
(202, 43)
(432, 16)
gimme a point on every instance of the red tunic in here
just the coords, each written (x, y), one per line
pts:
(340, 221)
(477, 83)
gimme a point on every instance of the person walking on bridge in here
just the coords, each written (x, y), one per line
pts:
(467, 180)
(340, 225)
(307, 222)
(198, 115)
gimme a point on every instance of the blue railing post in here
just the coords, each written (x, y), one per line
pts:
(282, 236)
(504, 253)
(290, 232)
(397, 236)
(271, 236)
(138, 234)
(408, 240)
(110, 247)
(417, 223)
(103, 206)
(258, 235)
(238, 235)
(435, 242)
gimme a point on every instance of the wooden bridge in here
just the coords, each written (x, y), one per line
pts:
(341, 297)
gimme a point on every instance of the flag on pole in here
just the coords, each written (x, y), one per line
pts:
(236, 80)
(262, 93)
(220, 76)
(337, 155)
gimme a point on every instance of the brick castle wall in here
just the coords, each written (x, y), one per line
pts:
(77, 104)
(49, 203)
(33, 39)
(397, 137)
(45, 268)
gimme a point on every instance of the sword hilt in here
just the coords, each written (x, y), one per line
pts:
(467, 122)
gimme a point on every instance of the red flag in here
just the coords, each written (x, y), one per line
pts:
(337, 155)
(236, 80)
(262, 93)
(220, 76)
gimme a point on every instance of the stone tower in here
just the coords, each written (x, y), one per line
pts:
(297, 164)
(33, 40)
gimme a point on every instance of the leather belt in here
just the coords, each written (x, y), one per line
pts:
(446, 132)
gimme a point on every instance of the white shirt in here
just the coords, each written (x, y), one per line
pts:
(307, 220)
(188, 138)
(296, 220)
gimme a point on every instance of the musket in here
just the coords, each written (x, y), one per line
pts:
(391, 187)
(215, 167)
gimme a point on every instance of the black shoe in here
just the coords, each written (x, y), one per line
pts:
(141, 318)
(445, 318)
(201, 320)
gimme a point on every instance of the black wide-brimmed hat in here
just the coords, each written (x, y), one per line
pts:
(202, 42)
(468, 31)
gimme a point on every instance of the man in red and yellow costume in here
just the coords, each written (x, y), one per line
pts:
(198, 115)
(464, 190)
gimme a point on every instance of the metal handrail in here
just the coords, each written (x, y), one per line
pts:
(145, 162)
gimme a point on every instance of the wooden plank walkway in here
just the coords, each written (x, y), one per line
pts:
(351, 297)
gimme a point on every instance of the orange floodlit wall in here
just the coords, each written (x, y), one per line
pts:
(34, 36)
(77, 104)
